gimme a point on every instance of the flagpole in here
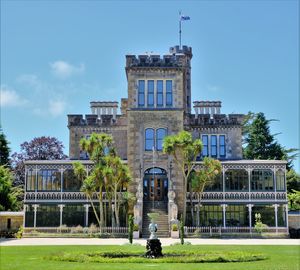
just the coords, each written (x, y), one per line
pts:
(179, 29)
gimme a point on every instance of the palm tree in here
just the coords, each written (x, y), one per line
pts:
(205, 177)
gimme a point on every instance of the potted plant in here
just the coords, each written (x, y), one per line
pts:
(174, 231)
(136, 232)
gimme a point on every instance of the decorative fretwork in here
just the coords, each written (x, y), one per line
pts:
(239, 196)
(63, 196)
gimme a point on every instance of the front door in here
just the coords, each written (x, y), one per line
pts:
(156, 189)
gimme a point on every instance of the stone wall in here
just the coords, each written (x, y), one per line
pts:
(16, 222)
(140, 160)
(294, 221)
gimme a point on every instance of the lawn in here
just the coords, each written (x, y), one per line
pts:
(34, 258)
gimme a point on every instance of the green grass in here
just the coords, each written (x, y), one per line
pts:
(37, 258)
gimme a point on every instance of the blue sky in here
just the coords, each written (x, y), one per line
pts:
(57, 56)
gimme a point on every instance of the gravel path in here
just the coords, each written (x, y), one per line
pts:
(121, 241)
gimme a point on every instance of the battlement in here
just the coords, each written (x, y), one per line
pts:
(177, 57)
(90, 120)
(216, 120)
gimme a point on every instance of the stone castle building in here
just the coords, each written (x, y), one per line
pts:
(159, 104)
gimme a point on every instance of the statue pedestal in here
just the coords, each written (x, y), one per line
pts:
(153, 248)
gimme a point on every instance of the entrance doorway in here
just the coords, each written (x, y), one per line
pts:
(155, 185)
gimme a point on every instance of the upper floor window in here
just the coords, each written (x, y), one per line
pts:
(149, 139)
(160, 94)
(205, 145)
(169, 94)
(262, 180)
(30, 180)
(236, 180)
(141, 93)
(280, 180)
(160, 134)
(213, 145)
(150, 96)
(49, 180)
(222, 147)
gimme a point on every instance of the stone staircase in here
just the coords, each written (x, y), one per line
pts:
(162, 222)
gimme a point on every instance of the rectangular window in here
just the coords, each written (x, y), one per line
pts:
(222, 146)
(49, 180)
(213, 145)
(205, 146)
(169, 90)
(141, 93)
(150, 96)
(30, 181)
(160, 95)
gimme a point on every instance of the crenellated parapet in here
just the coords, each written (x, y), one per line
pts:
(177, 57)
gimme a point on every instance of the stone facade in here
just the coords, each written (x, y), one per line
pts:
(159, 100)
(11, 220)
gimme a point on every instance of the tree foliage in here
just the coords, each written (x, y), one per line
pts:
(40, 148)
(208, 174)
(109, 175)
(260, 143)
(4, 149)
(8, 194)
(292, 180)
(184, 150)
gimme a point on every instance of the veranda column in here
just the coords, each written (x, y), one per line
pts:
(250, 216)
(35, 206)
(287, 217)
(276, 216)
(61, 206)
(87, 206)
(224, 214)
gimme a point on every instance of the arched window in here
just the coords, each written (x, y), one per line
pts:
(149, 139)
(262, 180)
(280, 181)
(236, 180)
(160, 134)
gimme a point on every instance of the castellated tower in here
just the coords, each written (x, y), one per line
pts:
(159, 95)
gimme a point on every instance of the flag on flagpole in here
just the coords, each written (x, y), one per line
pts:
(184, 18)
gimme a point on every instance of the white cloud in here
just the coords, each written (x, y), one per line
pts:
(63, 69)
(10, 98)
(56, 107)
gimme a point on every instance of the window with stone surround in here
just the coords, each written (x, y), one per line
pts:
(160, 135)
(205, 151)
(222, 146)
(169, 93)
(149, 139)
(213, 146)
(160, 94)
(141, 93)
(150, 93)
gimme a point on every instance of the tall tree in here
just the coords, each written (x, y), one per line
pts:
(96, 146)
(204, 177)
(8, 194)
(184, 151)
(260, 143)
(40, 148)
(4, 149)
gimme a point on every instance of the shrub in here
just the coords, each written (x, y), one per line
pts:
(135, 227)
(130, 228)
(174, 227)
(93, 228)
(259, 226)
(77, 229)
(19, 233)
